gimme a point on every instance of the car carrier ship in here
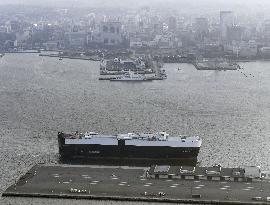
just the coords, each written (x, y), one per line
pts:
(127, 149)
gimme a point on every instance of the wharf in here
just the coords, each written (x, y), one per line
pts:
(71, 57)
(144, 72)
(130, 184)
(106, 78)
(215, 66)
(147, 78)
(24, 51)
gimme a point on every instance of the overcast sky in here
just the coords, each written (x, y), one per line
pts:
(136, 3)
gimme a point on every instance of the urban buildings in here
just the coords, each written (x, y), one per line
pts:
(166, 33)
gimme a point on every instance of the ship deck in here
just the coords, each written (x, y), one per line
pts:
(175, 141)
(129, 184)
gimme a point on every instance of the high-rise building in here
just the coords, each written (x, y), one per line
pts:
(157, 25)
(201, 28)
(266, 31)
(108, 34)
(172, 24)
(226, 21)
(234, 33)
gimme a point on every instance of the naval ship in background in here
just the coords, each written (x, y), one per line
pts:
(128, 149)
(131, 76)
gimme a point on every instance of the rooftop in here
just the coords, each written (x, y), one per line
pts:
(241, 172)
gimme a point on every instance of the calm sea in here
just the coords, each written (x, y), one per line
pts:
(40, 96)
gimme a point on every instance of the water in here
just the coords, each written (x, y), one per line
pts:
(41, 96)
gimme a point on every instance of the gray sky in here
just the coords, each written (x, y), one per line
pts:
(135, 3)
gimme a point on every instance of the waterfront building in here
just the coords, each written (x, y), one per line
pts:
(51, 45)
(245, 49)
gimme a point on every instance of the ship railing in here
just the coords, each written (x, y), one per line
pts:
(127, 136)
(155, 139)
(89, 135)
(187, 171)
(212, 172)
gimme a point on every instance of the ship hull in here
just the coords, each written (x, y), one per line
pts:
(131, 80)
(127, 154)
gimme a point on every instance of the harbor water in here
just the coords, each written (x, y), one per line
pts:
(39, 96)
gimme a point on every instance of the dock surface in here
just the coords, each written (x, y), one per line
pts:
(130, 184)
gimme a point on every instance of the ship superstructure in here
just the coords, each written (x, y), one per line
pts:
(130, 76)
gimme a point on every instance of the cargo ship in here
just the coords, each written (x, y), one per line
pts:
(128, 149)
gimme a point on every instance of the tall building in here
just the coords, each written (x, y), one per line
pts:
(234, 33)
(226, 21)
(111, 33)
(157, 25)
(201, 28)
(266, 31)
(172, 24)
(106, 34)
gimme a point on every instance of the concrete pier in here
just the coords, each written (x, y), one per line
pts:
(130, 184)
(89, 58)
(212, 65)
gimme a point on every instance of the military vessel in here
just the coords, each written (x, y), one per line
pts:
(131, 76)
(144, 148)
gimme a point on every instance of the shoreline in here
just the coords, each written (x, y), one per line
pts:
(125, 198)
(98, 59)
(69, 57)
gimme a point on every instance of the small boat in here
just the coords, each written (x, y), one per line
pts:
(60, 58)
